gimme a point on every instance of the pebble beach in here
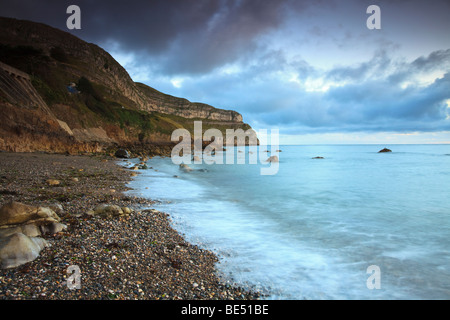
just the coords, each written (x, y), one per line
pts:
(138, 256)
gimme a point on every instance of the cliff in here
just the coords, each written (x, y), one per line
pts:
(59, 93)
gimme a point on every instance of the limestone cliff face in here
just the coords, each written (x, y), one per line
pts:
(157, 101)
(105, 107)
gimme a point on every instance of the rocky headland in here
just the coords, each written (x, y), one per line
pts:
(59, 93)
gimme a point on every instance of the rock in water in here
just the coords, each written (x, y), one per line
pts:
(385, 150)
(122, 153)
(185, 167)
(18, 249)
(273, 159)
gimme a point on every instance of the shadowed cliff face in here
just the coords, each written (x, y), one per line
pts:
(59, 93)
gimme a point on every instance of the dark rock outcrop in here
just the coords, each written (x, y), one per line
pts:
(122, 153)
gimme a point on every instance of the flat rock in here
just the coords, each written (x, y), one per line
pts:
(14, 213)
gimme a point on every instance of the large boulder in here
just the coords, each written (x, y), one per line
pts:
(17, 249)
(20, 228)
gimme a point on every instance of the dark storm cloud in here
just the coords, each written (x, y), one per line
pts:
(182, 36)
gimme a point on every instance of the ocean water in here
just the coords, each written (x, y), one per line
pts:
(312, 230)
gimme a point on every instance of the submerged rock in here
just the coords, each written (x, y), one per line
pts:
(318, 158)
(385, 150)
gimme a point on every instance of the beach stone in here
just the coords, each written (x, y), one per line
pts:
(126, 210)
(18, 249)
(53, 182)
(273, 159)
(384, 150)
(106, 211)
(122, 153)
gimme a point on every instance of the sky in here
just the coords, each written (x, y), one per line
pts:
(310, 68)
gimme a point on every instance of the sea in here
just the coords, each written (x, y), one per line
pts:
(354, 224)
